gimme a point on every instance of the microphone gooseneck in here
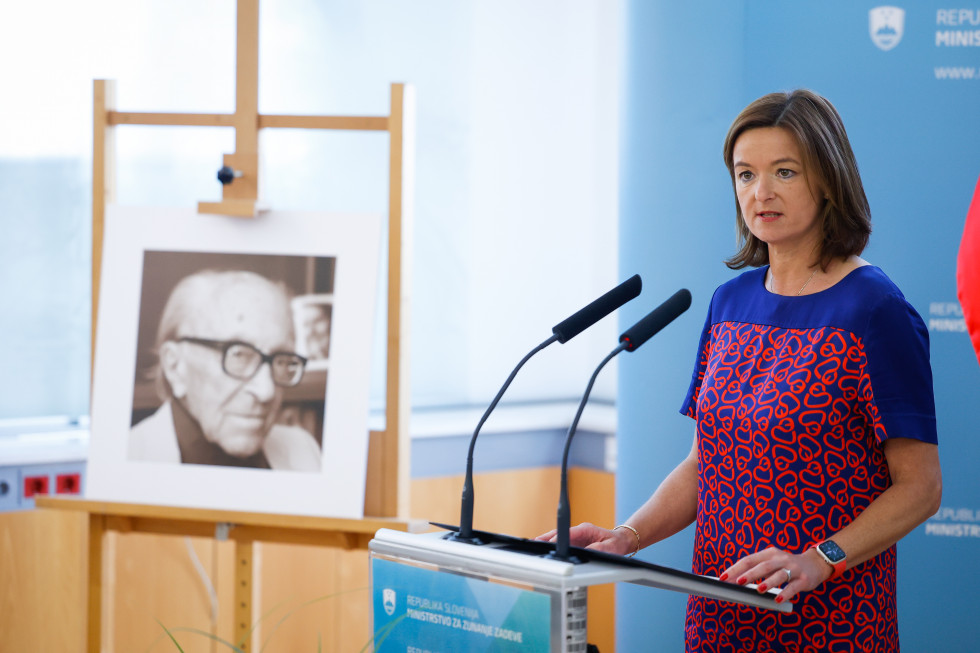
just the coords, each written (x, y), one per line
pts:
(630, 340)
(564, 509)
(562, 332)
(465, 532)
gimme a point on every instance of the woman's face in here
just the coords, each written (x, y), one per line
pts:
(777, 199)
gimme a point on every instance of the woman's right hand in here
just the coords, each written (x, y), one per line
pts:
(590, 536)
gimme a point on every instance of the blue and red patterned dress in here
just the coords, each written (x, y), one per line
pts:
(794, 398)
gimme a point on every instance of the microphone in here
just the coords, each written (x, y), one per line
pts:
(630, 340)
(562, 333)
(656, 320)
(600, 308)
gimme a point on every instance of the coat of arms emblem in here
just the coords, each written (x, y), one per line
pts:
(886, 25)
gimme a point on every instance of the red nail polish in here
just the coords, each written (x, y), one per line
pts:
(724, 576)
(779, 599)
(741, 581)
(762, 588)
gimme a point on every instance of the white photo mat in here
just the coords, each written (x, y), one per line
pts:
(354, 242)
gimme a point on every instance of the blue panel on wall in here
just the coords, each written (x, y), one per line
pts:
(910, 105)
(9, 482)
(683, 85)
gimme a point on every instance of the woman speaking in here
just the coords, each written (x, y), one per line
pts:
(815, 448)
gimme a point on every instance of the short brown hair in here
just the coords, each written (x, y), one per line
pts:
(827, 160)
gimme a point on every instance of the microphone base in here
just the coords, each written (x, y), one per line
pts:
(554, 555)
(456, 537)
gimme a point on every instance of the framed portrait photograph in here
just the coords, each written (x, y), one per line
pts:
(232, 361)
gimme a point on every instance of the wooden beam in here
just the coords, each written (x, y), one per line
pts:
(237, 208)
(171, 119)
(96, 532)
(396, 440)
(244, 552)
(247, 78)
(367, 525)
(103, 184)
(246, 118)
(352, 123)
(270, 121)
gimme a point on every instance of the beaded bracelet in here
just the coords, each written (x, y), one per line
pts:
(635, 534)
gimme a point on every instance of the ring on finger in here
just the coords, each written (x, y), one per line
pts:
(789, 574)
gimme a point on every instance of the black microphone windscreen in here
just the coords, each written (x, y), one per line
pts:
(600, 308)
(656, 319)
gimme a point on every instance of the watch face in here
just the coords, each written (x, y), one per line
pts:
(833, 552)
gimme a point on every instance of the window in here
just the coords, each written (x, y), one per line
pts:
(516, 169)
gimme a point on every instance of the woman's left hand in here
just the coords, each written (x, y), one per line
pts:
(774, 567)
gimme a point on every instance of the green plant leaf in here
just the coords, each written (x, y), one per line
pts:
(377, 638)
(171, 636)
(384, 631)
(302, 605)
(203, 633)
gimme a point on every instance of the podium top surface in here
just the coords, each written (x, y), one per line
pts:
(524, 561)
(367, 525)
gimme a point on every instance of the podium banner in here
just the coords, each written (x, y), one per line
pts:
(422, 610)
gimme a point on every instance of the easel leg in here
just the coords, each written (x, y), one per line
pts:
(96, 532)
(243, 594)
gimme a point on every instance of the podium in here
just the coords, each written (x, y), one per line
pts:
(431, 594)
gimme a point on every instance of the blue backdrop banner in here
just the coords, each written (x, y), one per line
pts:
(906, 80)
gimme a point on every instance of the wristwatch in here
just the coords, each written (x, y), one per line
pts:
(833, 555)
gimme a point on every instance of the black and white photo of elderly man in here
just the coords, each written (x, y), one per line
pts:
(226, 353)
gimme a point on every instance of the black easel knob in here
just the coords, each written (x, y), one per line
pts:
(226, 175)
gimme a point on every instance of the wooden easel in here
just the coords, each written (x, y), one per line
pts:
(387, 486)
(386, 492)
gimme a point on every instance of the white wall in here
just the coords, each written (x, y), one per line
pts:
(516, 209)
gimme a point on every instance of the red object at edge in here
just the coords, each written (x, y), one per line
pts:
(968, 271)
